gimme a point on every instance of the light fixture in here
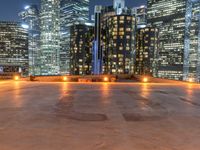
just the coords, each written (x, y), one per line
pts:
(105, 79)
(191, 80)
(145, 79)
(65, 79)
(16, 78)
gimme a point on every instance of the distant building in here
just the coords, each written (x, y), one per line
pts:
(141, 16)
(178, 54)
(114, 43)
(50, 37)
(146, 51)
(71, 12)
(118, 44)
(30, 19)
(97, 51)
(13, 48)
(81, 42)
(118, 6)
(191, 67)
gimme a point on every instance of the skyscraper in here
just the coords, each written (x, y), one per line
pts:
(114, 42)
(178, 34)
(30, 19)
(118, 44)
(81, 41)
(146, 51)
(191, 67)
(71, 12)
(169, 17)
(50, 37)
(13, 48)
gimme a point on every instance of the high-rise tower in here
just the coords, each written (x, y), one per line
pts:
(50, 37)
(169, 17)
(13, 48)
(30, 19)
(71, 12)
(177, 21)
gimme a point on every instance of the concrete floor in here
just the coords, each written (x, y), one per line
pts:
(99, 116)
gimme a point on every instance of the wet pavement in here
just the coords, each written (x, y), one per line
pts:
(99, 116)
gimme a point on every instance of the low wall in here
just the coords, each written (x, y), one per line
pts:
(89, 78)
(156, 80)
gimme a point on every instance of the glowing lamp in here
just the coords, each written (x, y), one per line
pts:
(145, 79)
(191, 80)
(65, 79)
(105, 79)
(16, 78)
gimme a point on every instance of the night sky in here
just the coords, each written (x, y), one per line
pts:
(10, 8)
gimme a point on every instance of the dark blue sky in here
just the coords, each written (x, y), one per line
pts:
(10, 8)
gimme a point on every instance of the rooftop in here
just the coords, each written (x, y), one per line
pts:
(99, 116)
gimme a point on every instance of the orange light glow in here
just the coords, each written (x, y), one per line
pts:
(105, 79)
(65, 79)
(145, 79)
(16, 78)
(191, 80)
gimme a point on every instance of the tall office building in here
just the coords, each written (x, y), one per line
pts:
(13, 48)
(146, 51)
(114, 42)
(97, 52)
(71, 12)
(30, 19)
(50, 37)
(169, 17)
(81, 41)
(118, 44)
(191, 68)
(178, 53)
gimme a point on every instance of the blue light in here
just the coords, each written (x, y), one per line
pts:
(27, 7)
(25, 26)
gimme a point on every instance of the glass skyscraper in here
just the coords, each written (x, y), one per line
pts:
(178, 34)
(114, 43)
(146, 51)
(192, 41)
(71, 12)
(50, 37)
(13, 48)
(81, 41)
(169, 17)
(30, 19)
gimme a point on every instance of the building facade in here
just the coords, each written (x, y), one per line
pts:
(81, 42)
(146, 51)
(13, 48)
(176, 21)
(118, 44)
(191, 67)
(114, 43)
(71, 12)
(30, 19)
(50, 37)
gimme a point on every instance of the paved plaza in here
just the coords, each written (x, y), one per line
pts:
(99, 116)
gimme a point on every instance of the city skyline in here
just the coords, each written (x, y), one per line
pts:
(11, 14)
